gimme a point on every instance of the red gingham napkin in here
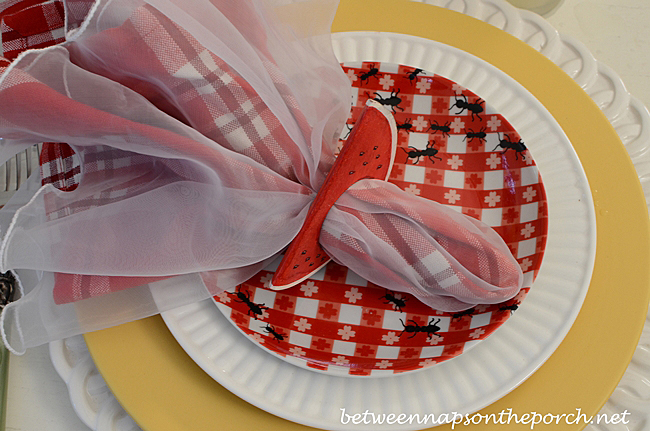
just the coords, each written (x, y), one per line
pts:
(241, 112)
(214, 101)
(32, 24)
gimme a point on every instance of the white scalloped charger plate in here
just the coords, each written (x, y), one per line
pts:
(628, 115)
(496, 365)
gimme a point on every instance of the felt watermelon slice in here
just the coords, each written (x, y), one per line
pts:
(368, 153)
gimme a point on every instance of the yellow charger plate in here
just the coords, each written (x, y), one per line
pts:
(164, 390)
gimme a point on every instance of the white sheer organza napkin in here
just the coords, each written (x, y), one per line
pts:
(203, 130)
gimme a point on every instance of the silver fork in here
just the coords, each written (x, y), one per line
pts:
(16, 171)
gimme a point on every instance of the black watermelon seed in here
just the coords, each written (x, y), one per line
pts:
(379, 167)
(295, 266)
(362, 153)
(351, 172)
(304, 252)
(308, 259)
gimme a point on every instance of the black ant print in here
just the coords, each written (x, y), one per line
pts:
(369, 74)
(393, 101)
(398, 302)
(435, 127)
(269, 329)
(245, 298)
(430, 329)
(349, 127)
(429, 152)
(414, 74)
(510, 307)
(473, 108)
(507, 144)
(406, 126)
(471, 135)
(460, 314)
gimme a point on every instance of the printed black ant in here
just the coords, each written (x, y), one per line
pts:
(471, 135)
(393, 101)
(473, 108)
(429, 152)
(507, 144)
(369, 74)
(430, 329)
(397, 301)
(460, 314)
(349, 127)
(407, 126)
(271, 330)
(245, 298)
(414, 74)
(511, 307)
(438, 128)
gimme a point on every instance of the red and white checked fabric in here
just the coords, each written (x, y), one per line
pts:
(201, 136)
(59, 167)
(223, 107)
(30, 24)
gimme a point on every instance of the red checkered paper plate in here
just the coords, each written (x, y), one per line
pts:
(453, 149)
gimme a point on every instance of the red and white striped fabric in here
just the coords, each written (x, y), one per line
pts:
(202, 132)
